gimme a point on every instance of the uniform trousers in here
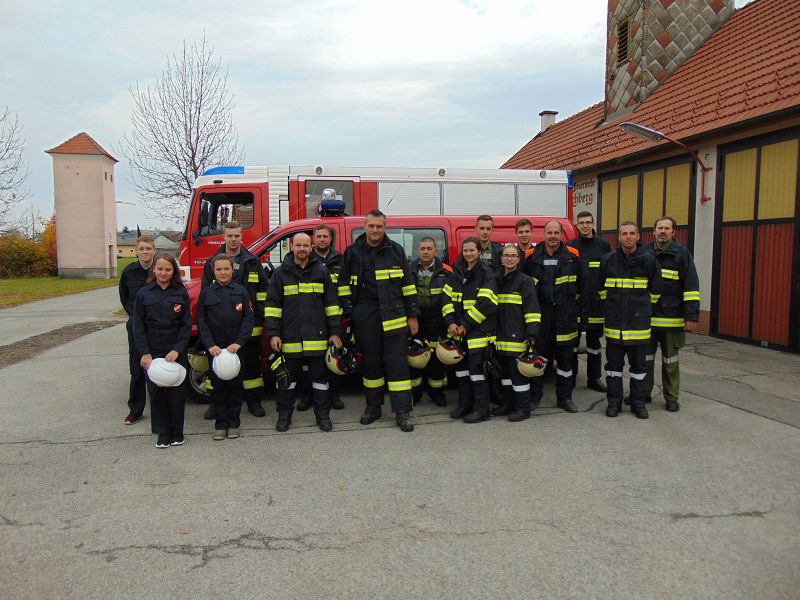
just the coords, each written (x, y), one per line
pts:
(384, 362)
(615, 363)
(564, 355)
(252, 381)
(320, 390)
(167, 404)
(594, 354)
(226, 398)
(433, 376)
(137, 394)
(473, 388)
(516, 387)
(671, 342)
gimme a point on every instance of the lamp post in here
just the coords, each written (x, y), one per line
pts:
(656, 136)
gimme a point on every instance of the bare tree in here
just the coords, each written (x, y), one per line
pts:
(180, 126)
(13, 169)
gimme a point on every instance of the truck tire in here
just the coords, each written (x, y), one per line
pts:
(196, 387)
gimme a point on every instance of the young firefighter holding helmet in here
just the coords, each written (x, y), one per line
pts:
(225, 323)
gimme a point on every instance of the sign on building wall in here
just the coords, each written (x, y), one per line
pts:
(584, 195)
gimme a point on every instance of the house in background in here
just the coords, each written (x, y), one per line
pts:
(727, 84)
(166, 241)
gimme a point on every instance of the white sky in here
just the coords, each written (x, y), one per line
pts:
(380, 83)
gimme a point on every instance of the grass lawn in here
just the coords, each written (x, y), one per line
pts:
(27, 289)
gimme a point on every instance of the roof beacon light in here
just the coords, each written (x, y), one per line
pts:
(330, 206)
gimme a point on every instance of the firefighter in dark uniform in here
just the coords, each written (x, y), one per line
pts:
(518, 318)
(430, 276)
(592, 249)
(133, 279)
(630, 282)
(469, 311)
(377, 290)
(555, 269)
(249, 273)
(303, 316)
(162, 325)
(677, 309)
(225, 320)
(489, 250)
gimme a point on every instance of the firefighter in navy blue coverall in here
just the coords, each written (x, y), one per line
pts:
(249, 273)
(376, 288)
(162, 325)
(677, 309)
(469, 311)
(302, 317)
(225, 320)
(630, 282)
(430, 276)
(130, 282)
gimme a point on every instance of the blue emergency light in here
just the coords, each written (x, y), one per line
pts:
(332, 208)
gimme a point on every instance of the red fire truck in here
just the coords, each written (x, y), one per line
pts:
(261, 198)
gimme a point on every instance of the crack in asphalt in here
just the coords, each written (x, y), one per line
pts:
(750, 513)
(6, 522)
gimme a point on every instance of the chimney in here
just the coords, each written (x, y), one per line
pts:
(548, 119)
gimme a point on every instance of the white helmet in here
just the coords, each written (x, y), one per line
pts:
(166, 374)
(449, 351)
(226, 365)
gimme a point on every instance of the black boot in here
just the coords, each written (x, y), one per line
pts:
(209, 414)
(639, 410)
(460, 412)
(518, 415)
(403, 420)
(284, 420)
(597, 385)
(255, 408)
(305, 403)
(477, 417)
(612, 410)
(438, 397)
(502, 410)
(371, 414)
(324, 422)
(336, 402)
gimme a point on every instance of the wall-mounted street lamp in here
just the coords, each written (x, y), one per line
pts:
(656, 136)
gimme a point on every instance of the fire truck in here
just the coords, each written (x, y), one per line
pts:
(261, 198)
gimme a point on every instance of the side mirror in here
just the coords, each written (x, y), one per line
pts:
(196, 238)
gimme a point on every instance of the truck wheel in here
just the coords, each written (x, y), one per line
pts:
(197, 387)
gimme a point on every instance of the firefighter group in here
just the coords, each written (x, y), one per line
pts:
(497, 321)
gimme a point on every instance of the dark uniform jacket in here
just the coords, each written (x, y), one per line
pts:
(431, 321)
(680, 298)
(471, 301)
(162, 321)
(561, 287)
(224, 315)
(518, 315)
(302, 307)
(497, 263)
(333, 262)
(630, 284)
(390, 272)
(251, 276)
(130, 282)
(592, 250)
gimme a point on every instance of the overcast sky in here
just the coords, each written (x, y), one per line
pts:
(419, 83)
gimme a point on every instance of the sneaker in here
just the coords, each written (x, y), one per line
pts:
(163, 441)
(131, 419)
(177, 440)
(233, 433)
(219, 435)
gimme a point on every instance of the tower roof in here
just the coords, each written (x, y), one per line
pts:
(82, 143)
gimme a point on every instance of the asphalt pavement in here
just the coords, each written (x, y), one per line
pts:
(703, 503)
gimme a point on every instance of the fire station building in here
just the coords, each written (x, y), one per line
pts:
(711, 96)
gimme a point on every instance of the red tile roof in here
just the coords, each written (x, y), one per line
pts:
(749, 68)
(82, 143)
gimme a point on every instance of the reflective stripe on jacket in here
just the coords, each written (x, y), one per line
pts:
(431, 321)
(566, 288)
(518, 314)
(592, 250)
(680, 298)
(471, 301)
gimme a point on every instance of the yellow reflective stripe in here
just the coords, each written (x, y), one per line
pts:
(381, 274)
(611, 333)
(447, 290)
(479, 342)
(690, 296)
(468, 303)
(311, 345)
(271, 311)
(332, 311)
(487, 293)
(257, 331)
(416, 382)
(594, 264)
(566, 337)
(602, 294)
(510, 346)
(394, 323)
(566, 279)
(666, 322)
(353, 279)
(597, 320)
(335, 277)
(344, 290)
(447, 309)
(669, 274)
(408, 290)
(291, 347)
(311, 288)
(400, 386)
(627, 334)
(533, 317)
(437, 383)
(509, 298)
(654, 298)
(290, 290)
(476, 315)
(260, 296)
(208, 384)
(623, 282)
(252, 277)
(436, 291)
(373, 383)
(251, 384)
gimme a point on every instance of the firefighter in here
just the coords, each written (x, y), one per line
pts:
(130, 282)
(592, 249)
(555, 269)
(430, 276)
(162, 325)
(524, 230)
(629, 282)
(225, 320)
(469, 311)
(247, 272)
(677, 309)
(331, 258)
(518, 318)
(489, 250)
(377, 291)
(303, 316)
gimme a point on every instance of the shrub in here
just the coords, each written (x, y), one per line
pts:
(22, 257)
